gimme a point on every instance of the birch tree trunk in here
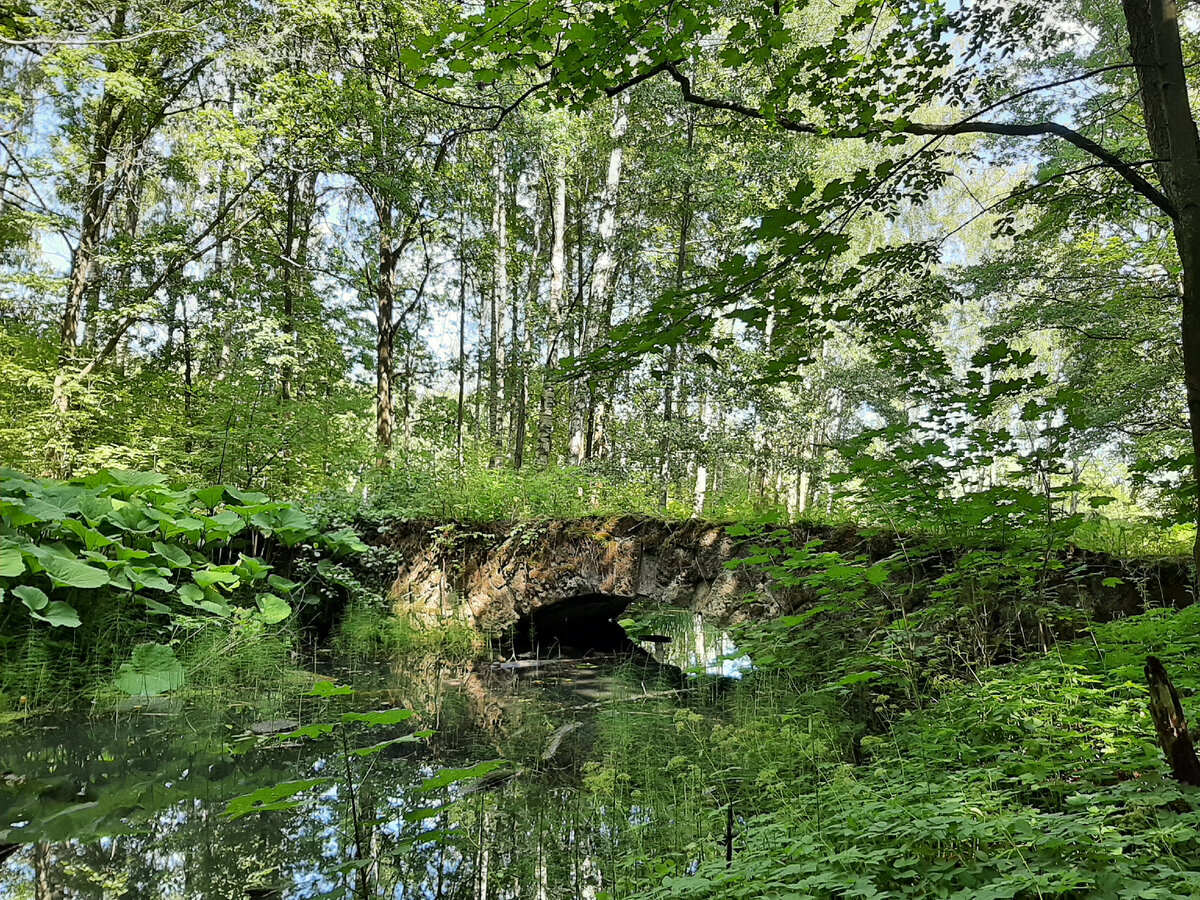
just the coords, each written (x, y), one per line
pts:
(385, 311)
(665, 474)
(555, 317)
(598, 322)
(496, 367)
(462, 338)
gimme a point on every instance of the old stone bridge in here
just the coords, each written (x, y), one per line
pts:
(574, 577)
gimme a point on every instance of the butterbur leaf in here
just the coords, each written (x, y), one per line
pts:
(329, 689)
(383, 745)
(274, 797)
(12, 564)
(155, 607)
(127, 478)
(293, 526)
(92, 539)
(32, 597)
(252, 568)
(190, 594)
(309, 731)
(71, 572)
(175, 556)
(447, 777)
(282, 584)
(345, 541)
(209, 577)
(380, 717)
(211, 496)
(59, 614)
(272, 609)
(152, 670)
(149, 577)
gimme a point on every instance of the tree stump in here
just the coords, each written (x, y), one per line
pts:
(1171, 724)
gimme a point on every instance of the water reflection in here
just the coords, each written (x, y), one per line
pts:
(133, 805)
(694, 644)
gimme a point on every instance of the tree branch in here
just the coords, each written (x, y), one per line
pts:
(966, 126)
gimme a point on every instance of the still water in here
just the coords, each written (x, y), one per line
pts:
(135, 804)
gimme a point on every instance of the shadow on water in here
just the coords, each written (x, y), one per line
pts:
(133, 804)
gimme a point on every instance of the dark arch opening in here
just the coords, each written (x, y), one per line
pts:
(574, 625)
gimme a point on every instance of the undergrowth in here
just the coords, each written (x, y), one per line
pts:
(1040, 779)
(368, 631)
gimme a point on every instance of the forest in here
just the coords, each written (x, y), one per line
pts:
(613, 449)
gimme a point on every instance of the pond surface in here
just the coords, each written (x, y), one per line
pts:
(134, 804)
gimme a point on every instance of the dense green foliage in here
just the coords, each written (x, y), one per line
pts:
(1040, 779)
(928, 269)
(539, 259)
(90, 567)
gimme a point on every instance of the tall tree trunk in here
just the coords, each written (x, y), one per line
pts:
(665, 475)
(585, 444)
(1171, 128)
(462, 338)
(557, 282)
(226, 318)
(522, 346)
(496, 367)
(577, 330)
(92, 217)
(287, 277)
(385, 364)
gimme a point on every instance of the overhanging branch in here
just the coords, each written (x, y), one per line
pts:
(967, 126)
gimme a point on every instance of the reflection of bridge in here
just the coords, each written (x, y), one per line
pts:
(566, 577)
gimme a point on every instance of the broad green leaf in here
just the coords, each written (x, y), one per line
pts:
(152, 670)
(282, 584)
(32, 597)
(329, 689)
(71, 572)
(383, 745)
(149, 577)
(59, 614)
(447, 777)
(210, 577)
(251, 567)
(210, 496)
(317, 729)
(190, 594)
(274, 797)
(174, 555)
(92, 539)
(12, 564)
(380, 717)
(272, 609)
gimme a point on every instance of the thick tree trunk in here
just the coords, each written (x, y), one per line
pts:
(1157, 52)
(557, 283)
